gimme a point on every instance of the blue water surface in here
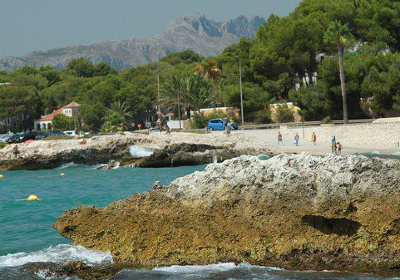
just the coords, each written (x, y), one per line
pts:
(25, 226)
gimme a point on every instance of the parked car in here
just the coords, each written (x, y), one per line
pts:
(155, 129)
(21, 137)
(216, 124)
(42, 135)
(4, 138)
(12, 139)
(219, 124)
(31, 135)
(91, 133)
(70, 133)
(56, 132)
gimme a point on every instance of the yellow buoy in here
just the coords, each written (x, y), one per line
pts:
(1, 176)
(32, 197)
(62, 174)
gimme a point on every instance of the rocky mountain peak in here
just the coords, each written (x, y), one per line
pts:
(194, 32)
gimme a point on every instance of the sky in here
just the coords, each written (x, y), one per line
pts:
(29, 25)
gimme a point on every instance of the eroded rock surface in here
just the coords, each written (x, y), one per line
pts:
(175, 149)
(292, 211)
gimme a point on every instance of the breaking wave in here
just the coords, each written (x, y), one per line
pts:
(67, 165)
(139, 152)
(59, 254)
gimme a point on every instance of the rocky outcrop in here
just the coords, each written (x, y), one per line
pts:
(193, 32)
(291, 211)
(175, 149)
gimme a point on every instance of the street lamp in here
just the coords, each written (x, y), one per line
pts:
(241, 88)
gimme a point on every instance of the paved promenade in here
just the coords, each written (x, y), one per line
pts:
(360, 138)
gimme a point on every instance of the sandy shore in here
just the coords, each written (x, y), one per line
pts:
(362, 138)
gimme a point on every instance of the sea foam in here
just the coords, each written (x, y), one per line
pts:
(139, 152)
(59, 254)
(67, 165)
(197, 268)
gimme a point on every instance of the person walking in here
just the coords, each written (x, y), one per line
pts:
(333, 143)
(228, 128)
(339, 148)
(296, 139)
(280, 139)
(16, 152)
(314, 138)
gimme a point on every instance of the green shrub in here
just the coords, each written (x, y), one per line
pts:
(263, 117)
(283, 114)
(198, 121)
(326, 120)
(2, 145)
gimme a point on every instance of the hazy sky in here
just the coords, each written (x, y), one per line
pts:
(28, 25)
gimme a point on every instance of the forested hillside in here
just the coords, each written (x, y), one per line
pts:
(284, 53)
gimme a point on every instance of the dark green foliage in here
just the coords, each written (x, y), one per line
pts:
(80, 67)
(62, 122)
(277, 61)
(283, 114)
(186, 57)
(263, 117)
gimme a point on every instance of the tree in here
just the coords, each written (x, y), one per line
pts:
(186, 57)
(116, 117)
(208, 69)
(120, 109)
(114, 122)
(20, 105)
(283, 114)
(81, 67)
(198, 93)
(92, 115)
(104, 69)
(172, 94)
(339, 34)
(63, 122)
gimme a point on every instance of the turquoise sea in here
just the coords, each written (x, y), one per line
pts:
(26, 234)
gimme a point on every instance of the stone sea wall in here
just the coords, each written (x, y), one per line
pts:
(292, 211)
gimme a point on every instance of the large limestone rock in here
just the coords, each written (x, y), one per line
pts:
(293, 211)
(176, 149)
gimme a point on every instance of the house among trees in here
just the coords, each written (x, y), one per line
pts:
(46, 122)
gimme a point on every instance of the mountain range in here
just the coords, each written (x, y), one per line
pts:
(193, 32)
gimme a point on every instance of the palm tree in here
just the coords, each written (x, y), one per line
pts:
(172, 93)
(120, 109)
(198, 92)
(117, 114)
(339, 34)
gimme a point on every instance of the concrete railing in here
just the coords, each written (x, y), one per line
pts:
(299, 124)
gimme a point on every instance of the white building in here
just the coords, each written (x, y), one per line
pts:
(46, 122)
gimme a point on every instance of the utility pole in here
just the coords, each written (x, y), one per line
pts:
(179, 110)
(241, 89)
(158, 92)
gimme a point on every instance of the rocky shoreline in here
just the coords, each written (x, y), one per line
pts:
(175, 149)
(293, 211)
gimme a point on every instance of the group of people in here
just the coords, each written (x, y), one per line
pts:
(228, 127)
(336, 146)
(296, 139)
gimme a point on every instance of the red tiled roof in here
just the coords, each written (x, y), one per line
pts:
(73, 104)
(51, 116)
